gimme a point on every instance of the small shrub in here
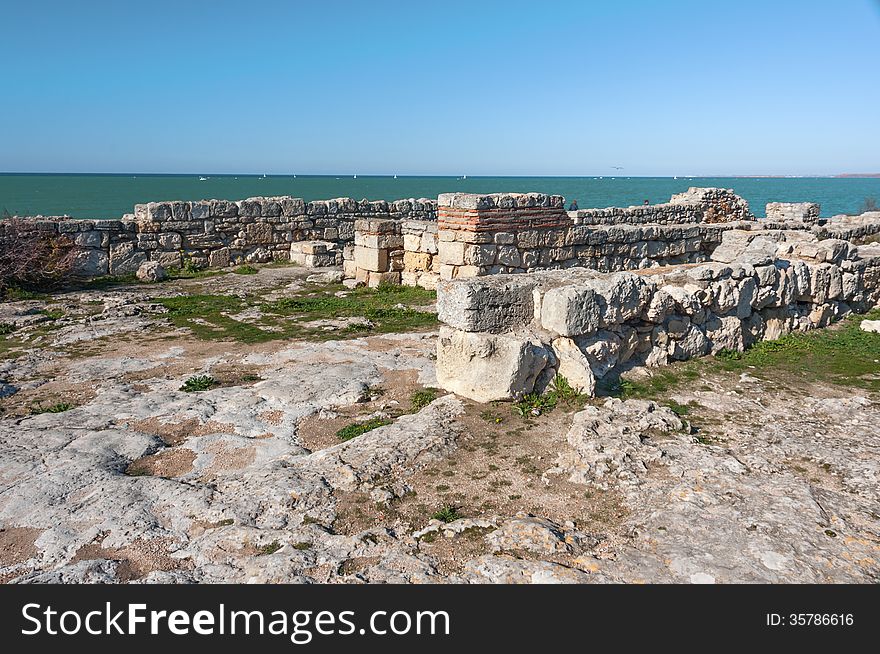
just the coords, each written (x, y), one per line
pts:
(358, 428)
(271, 548)
(60, 407)
(31, 259)
(302, 546)
(422, 398)
(6, 328)
(563, 391)
(447, 513)
(729, 355)
(198, 383)
(246, 270)
(535, 404)
(52, 314)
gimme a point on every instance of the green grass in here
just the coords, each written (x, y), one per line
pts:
(16, 294)
(60, 407)
(108, 281)
(384, 310)
(246, 270)
(356, 429)
(843, 355)
(198, 383)
(422, 398)
(52, 314)
(447, 513)
(271, 548)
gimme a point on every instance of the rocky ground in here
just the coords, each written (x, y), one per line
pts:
(109, 472)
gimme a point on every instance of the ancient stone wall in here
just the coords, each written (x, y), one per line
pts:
(507, 335)
(221, 233)
(393, 252)
(509, 233)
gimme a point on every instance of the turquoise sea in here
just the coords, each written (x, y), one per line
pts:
(110, 196)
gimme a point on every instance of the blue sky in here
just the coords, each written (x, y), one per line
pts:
(447, 87)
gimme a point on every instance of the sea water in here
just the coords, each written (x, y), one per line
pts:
(111, 196)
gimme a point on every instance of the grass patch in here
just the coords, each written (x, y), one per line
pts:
(246, 270)
(59, 407)
(198, 383)
(534, 404)
(447, 513)
(52, 314)
(382, 310)
(843, 355)
(108, 281)
(271, 548)
(17, 294)
(356, 429)
(422, 398)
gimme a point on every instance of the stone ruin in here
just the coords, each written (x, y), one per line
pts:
(525, 289)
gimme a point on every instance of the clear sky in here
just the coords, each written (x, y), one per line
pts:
(445, 87)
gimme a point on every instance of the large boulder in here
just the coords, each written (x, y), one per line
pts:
(489, 367)
(151, 271)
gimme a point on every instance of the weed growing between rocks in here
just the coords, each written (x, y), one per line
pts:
(59, 407)
(6, 328)
(271, 548)
(198, 383)
(356, 429)
(422, 398)
(559, 391)
(246, 270)
(447, 513)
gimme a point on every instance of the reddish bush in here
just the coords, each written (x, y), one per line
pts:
(32, 257)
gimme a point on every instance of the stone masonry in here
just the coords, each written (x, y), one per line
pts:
(509, 335)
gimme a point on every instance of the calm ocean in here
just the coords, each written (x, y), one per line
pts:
(110, 196)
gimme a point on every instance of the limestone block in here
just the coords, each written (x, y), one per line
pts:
(170, 241)
(416, 261)
(258, 255)
(486, 304)
(167, 259)
(451, 252)
(693, 344)
(870, 326)
(623, 297)
(479, 255)
(125, 258)
(570, 311)
(258, 233)
(371, 259)
(91, 239)
(90, 262)
(574, 365)
(486, 367)
(377, 278)
(219, 258)
(725, 333)
(602, 350)
(151, 271)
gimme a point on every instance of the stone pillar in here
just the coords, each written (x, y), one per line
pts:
(378, 251)
(476, 233)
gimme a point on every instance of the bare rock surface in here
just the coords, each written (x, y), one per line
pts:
(111, 473)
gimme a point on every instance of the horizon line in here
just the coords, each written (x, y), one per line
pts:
(459, 176)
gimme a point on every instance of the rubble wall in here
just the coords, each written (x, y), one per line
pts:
(220, 233)
(509, 335)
